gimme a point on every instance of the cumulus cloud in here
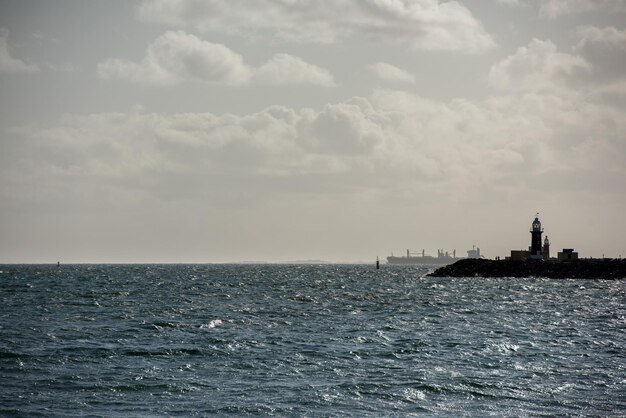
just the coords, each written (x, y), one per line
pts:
(609, 37)
(350, 128)
(177, 56)
(605, 48)
(390, 73)
(287, 69)
(388, 143)
(538, 66)
(9, 63)
(423, 24)
(237, 181)
(555, 8)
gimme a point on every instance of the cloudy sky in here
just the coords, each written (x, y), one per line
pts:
(342, 130)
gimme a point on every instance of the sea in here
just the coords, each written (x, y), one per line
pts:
(306, 340)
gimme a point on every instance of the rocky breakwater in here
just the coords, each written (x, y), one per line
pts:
(579, 269)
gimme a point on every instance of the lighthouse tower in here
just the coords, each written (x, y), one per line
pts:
(536, 252)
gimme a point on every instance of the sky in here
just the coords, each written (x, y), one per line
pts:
(339, 130)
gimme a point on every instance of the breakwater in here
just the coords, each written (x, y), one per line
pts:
(579, 269)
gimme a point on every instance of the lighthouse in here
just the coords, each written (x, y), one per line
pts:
(536, 252)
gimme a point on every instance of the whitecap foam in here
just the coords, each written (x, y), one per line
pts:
(413, 395)
(213, 324)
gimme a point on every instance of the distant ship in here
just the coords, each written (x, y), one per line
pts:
(443, 258)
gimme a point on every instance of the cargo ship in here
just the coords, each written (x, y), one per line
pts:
(443, 258)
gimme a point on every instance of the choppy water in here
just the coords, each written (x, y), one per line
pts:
(146, 340)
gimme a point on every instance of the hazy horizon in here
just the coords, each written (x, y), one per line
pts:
(214, 131)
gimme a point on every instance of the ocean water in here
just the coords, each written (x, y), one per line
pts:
(296, 340)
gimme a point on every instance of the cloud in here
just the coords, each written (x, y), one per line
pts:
(510, 2)
(538, 66)
(605, 48)
(608, 37)
(139, 184)
(176, 57)
(423, 24)
(552, 9)
(287, 69)
(389, 144)
(555, 8)
(136, 178)
(352, 128)
(10, 64)
(391, 74)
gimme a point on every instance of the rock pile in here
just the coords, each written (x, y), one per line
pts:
(579, 269)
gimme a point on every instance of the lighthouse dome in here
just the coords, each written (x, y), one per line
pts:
(536, 224)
